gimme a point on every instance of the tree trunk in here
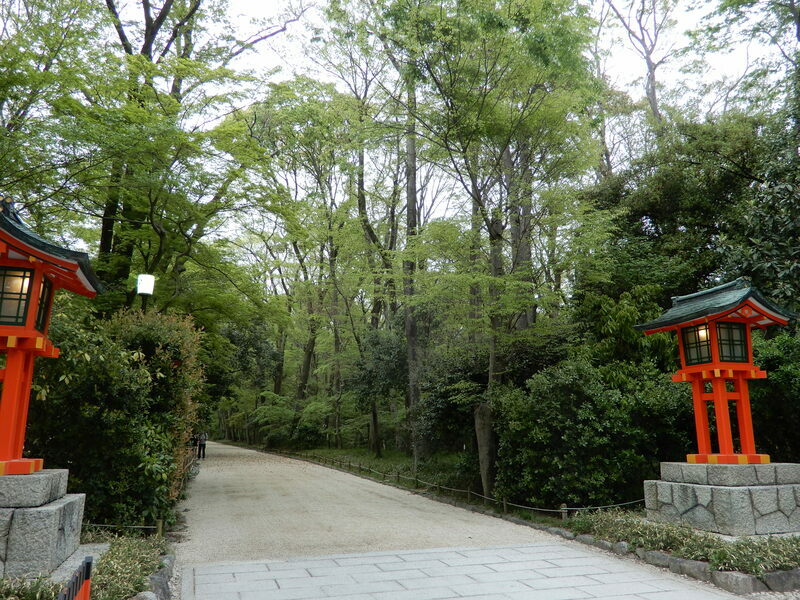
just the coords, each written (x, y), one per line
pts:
(277, 387)
(308, 354)
(484, 435)
(520, 197)
(496, 320)
(474, 261)
(374, 430)
(409, 272)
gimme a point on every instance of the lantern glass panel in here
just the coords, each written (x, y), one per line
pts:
(732, 342)
(45, 300)
(696, 344)
(15, 294)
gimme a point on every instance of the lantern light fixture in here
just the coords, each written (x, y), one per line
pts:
(145, 284)
(716, 355)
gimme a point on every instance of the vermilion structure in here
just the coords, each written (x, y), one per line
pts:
(31, 270)
(714, 342)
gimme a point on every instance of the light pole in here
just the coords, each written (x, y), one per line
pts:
(144, 287)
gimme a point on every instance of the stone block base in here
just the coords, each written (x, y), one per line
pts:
(728, 499)
(36, 489)
(40, 524)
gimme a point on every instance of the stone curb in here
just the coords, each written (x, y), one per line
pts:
(731, 581)
(158, 582)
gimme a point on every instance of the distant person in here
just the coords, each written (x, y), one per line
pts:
(201, 445)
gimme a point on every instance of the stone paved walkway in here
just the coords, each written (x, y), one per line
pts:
(550, 571)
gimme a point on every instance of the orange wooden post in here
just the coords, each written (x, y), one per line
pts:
(701, 417)
(10, 408)
(24, 396)
(722, 413)
(746, 436)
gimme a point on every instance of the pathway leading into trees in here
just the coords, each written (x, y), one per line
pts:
(263, 527)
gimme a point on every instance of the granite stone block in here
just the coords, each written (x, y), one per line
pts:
(159, 581)
(734, 505)
(787, 473)
(786, 503)
(695, 473)
(701, 518)
(651, 494)
(732, 475)
(621, 548)
(775, 522)
(696, 569)
(794, 520)
(664, 490)
(672, 471)
(782, 581)
(603, 545)
(764, 498)
(659, 559)
(36, 489)
(5, 525)
(683, 497)
(703, 495)
(766, 474)
(41, 538)
(737, 583)
(669, 513)
(733, 511)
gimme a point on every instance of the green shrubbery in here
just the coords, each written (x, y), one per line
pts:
(116, 409)
(120, 573)
(571, 437)
(748, 555)
(123, 571)
(774, 399)
(22, 589)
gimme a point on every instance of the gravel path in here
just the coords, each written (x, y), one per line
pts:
(265, 527)
(246, 505)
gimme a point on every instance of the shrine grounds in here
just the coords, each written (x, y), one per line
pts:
(264, 526)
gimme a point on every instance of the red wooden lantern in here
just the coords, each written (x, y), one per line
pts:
(31, 270)
(716, 355)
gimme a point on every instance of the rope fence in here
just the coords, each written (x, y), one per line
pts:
(563, 510)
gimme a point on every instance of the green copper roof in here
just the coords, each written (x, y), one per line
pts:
(11, 222)
(713, 301)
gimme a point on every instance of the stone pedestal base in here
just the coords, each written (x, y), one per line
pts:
(40, 524)
(727, 499)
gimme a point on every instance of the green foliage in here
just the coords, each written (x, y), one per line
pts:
(117, 409)
(774, 399)
(120, 573)
(748, 555)
(381, 368)
(572, 437)
(675, 204)
(763, 242)
(123, 571)
(27, 589)
(610, 335)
